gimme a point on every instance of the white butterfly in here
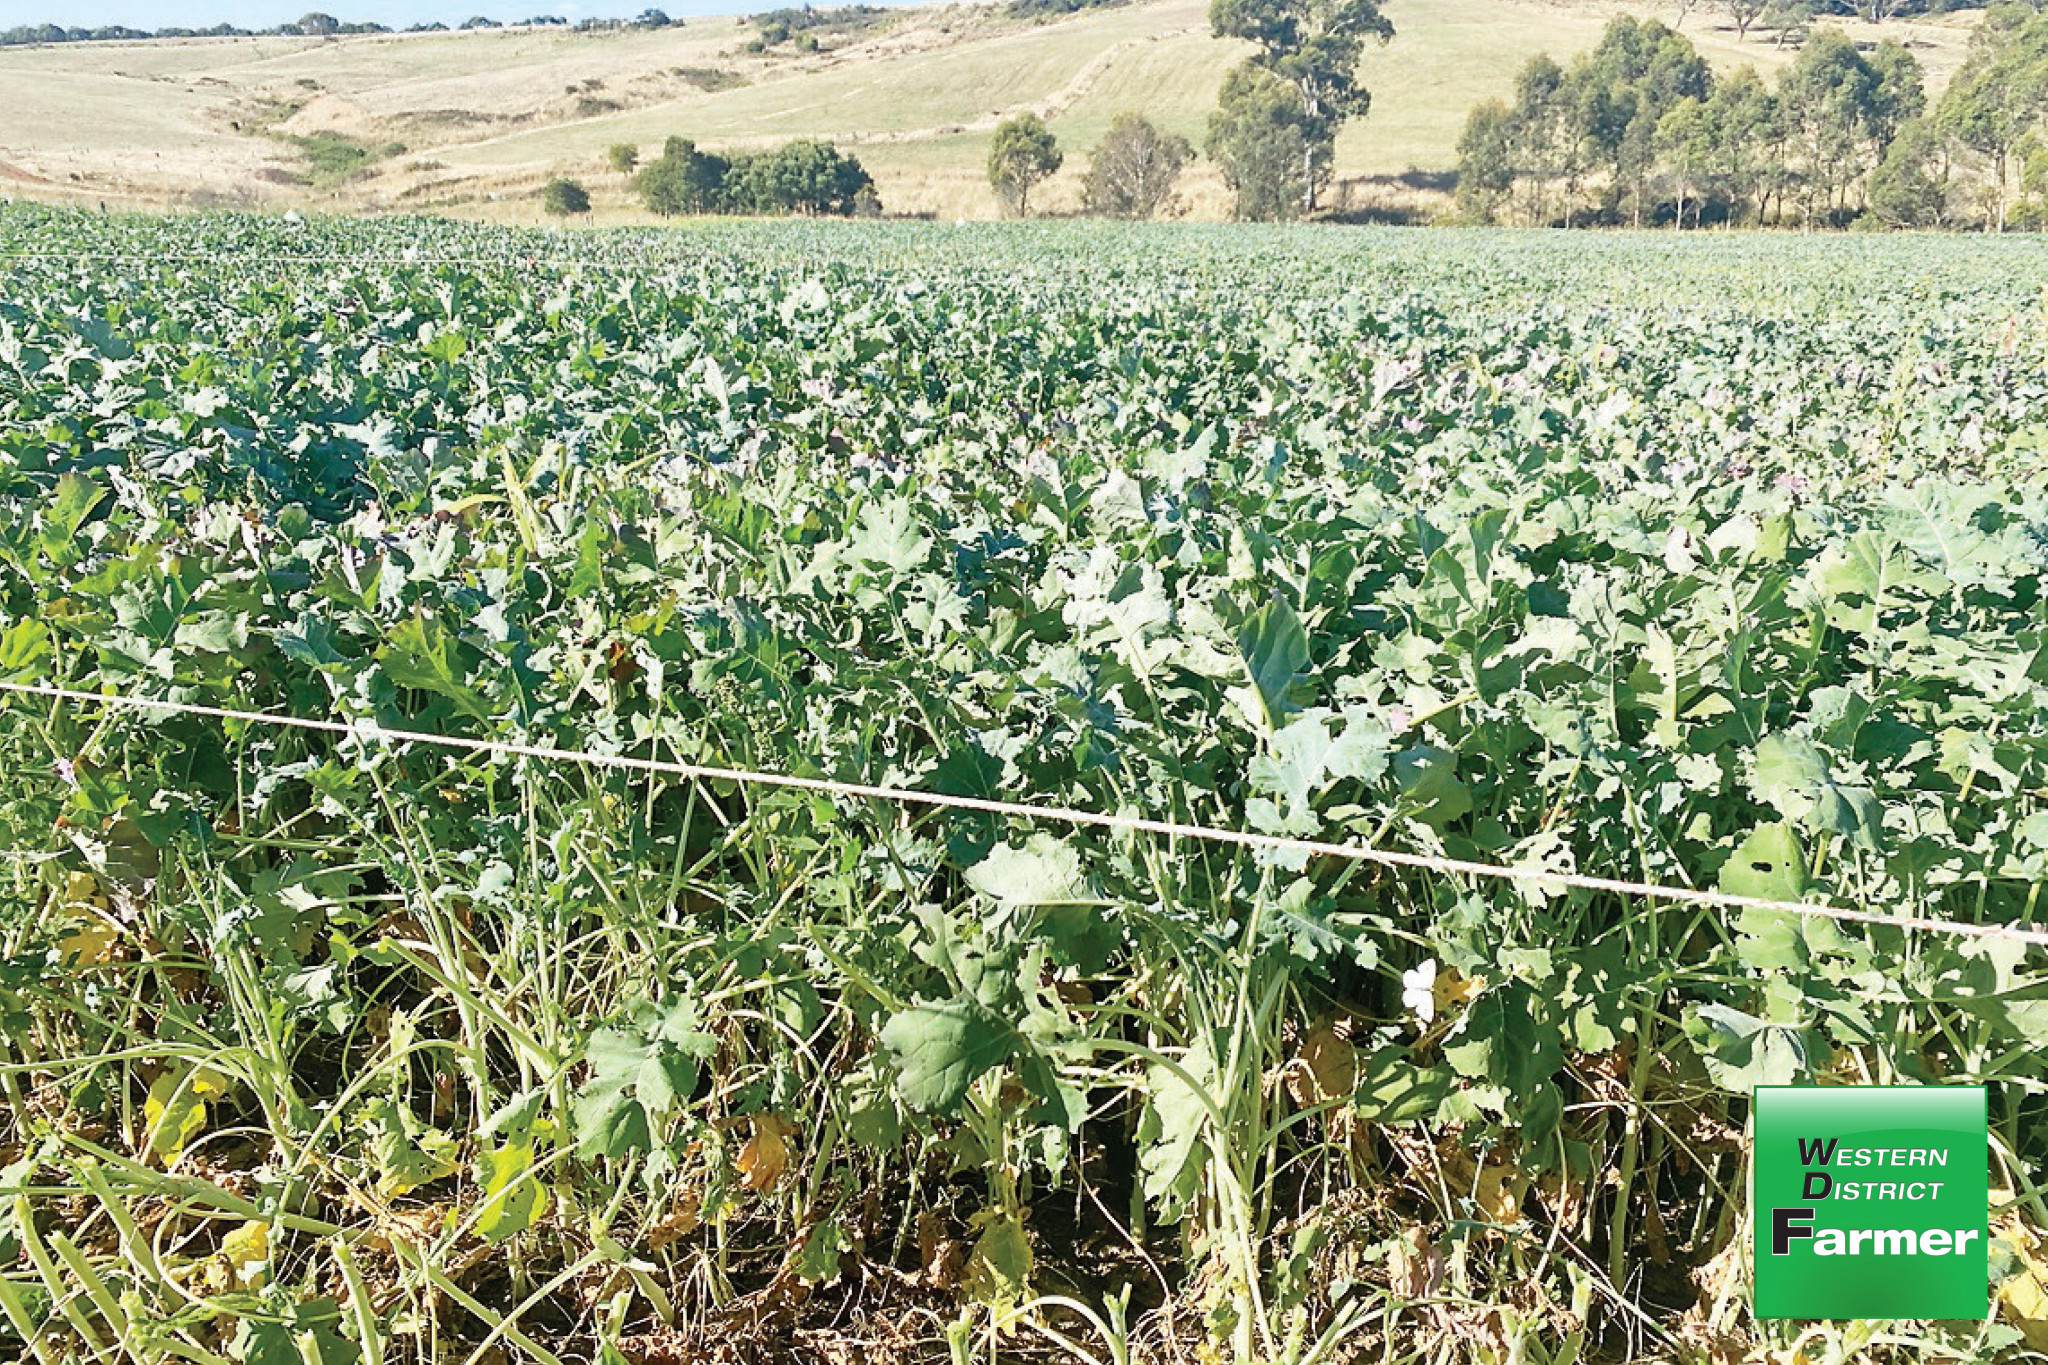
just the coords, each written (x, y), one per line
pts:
(1418, 990)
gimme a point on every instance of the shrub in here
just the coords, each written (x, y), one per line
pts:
(563, 197)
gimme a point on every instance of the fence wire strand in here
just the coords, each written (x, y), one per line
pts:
(362, 730)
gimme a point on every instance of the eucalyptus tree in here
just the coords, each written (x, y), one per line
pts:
(1313, 47)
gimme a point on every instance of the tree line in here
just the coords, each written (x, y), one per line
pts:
(1639, 130)
(1132, 175)
(314, 25)
(804, 177)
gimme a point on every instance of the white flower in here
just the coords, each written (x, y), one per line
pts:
(1418, 990)
(1678, 556)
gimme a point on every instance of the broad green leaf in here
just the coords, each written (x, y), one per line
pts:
(984, 963)
(999, 1268)
(1507, 1038)
(942, 1049)
(640, 1068)
(1043, 872)
(590, 559)
(1392, 1088)
(214, 632)
(24, 646)
(1767, 865)
(1456, 591)
(1304, 756)
(311, 1333)
(1275, 650)
(70, 504)
(1171, 1129)
(1793, 776)
(1742, 1052)
(1597, 995)
(1938, 522)
(1864, 576)
(1430, 789)
(420, 653)
(1083, 934)
(888, 535)
(261, 1342)
(817, 1259)
(610, 1122)
(1671, 683)
(310, 641)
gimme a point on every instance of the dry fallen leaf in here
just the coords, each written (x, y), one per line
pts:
(1414, 1269)
(678, 1225)
(943, 1256)
(1564, 1195)
(1326, 1068)
(762, 1159)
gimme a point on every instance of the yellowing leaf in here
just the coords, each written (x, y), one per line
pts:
(92, 929)
(406, 1152)
(1326, 1069)
(766, 1153)
(91, 944)
(247, 1253)
(2025, 1296)
(513, 1197)
(1452, 988)
(435, 1156)
(1498, 1193)
(176, 1109)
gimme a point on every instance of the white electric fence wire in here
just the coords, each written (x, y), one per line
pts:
(655, 262)
(363, 730)
(240, 261)
(654, 266)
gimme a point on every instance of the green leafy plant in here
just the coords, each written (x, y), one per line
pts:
(1717, 570)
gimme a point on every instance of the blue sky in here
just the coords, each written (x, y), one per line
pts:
(153, 14)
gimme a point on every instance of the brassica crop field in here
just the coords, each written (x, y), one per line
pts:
(1709, 564)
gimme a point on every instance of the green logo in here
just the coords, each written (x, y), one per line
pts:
(1870, 1201)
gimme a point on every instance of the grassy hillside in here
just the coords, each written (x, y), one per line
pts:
(473, 122)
